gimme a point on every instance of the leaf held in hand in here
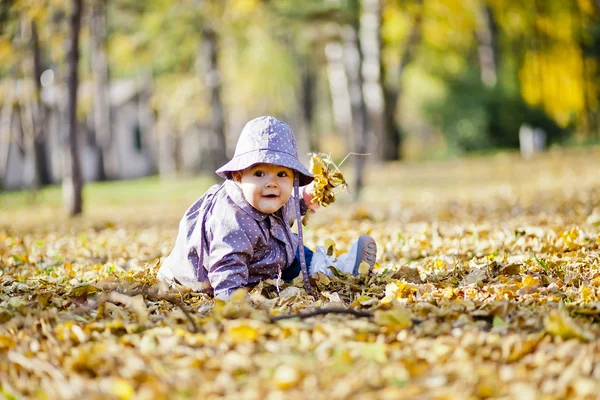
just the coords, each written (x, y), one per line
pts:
(327, 177)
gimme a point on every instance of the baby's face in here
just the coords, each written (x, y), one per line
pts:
(266, 187)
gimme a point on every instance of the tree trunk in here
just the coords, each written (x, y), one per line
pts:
(354, 66)
(39, 115)
(538, 44)
(338, 88)
(370, 39)
(108, 161)
(487, 46)
(212, 79)
(590, 123)
(307, 101)
(27, 126)
(167, 164)
(72, 177)
(393, 95)
(5, 136)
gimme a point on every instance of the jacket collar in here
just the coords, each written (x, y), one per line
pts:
(235, 194)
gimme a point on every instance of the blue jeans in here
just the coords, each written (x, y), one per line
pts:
(294, 270)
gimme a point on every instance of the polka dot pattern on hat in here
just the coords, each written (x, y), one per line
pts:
(266, 140)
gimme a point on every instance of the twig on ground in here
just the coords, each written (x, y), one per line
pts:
(323, 311)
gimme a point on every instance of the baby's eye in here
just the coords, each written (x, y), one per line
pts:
(282, 174)
(259, 173)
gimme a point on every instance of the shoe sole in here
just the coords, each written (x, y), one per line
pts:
(367, 251)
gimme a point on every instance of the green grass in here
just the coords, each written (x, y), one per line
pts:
(475, 178)
(141, 191)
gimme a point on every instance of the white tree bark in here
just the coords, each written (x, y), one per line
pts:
(338, 88)
(6, 116)
(370, 30)
(353, 58)
(108, 161)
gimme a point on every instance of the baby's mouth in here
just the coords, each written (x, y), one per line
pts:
(271, 196)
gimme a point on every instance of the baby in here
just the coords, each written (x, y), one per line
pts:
(239, 232)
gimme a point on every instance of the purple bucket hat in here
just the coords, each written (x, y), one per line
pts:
(266, 140)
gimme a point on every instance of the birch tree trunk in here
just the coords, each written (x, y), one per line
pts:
(487, 46)
(6, 115)
(307, 100)
(339, 88)
(167, 163)
(370, 40)
(27, 126)
(353, 57)
(72, 184)
(108, 162)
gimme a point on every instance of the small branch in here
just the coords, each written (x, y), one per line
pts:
(323, 311)
(351, 154)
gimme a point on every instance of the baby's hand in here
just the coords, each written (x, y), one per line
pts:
(308, 193)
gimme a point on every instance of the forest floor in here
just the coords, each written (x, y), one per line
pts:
(487, 285)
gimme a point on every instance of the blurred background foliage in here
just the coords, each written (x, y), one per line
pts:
(459, 75)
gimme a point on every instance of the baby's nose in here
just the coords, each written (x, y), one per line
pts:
(271, 182)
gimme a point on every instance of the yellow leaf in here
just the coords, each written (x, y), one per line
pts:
(530, 281)
(397, 318)
(6, 342)
(330, 246)
(558, 323)
(323, 279)
(238, 296)
(242, 332)
(364, 268)
(399, 289)
(448, 292)
(122, 389)
(587, 294)
(286, 377)
(317, 166)
(365, 300)
(81, 289)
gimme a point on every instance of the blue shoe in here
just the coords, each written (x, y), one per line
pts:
(366, 250)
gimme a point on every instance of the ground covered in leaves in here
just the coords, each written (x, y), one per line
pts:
(487, 286)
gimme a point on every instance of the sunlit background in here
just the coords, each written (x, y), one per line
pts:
(164, 87)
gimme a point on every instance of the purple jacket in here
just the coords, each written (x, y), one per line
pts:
(224, 243)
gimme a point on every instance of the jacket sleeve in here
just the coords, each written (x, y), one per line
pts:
(230, 253)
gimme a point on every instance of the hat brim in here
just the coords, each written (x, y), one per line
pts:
(246, 160)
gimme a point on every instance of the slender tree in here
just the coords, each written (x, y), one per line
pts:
(370, 39)
(39, 113)
(354, 58)
(212, 78)
(487, 45)
(6, 116)
(108, 162)
(72, 176)
(307, 100)
(337, 78)
(393, 93)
